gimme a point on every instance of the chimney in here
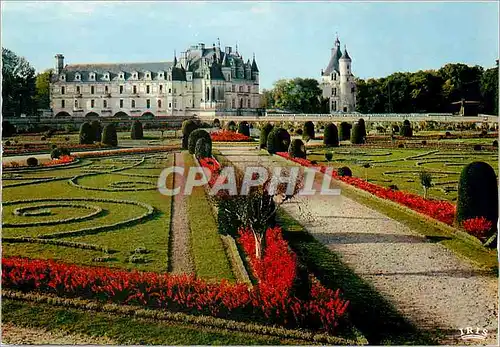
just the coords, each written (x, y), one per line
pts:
(59, 63)
(227, 50)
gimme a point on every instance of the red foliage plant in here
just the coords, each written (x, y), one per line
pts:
(441, 210)
(478, 226)
(228, 136)
(65, 159)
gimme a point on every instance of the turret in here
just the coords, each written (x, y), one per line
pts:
(248, 70)
(255, 70)
(59, 63)
(347, 97)
(345, 63)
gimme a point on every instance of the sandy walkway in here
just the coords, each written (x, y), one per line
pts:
(429, 284)
(180, 251)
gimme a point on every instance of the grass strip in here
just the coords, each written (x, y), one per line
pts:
(133, 325)
(210, 259)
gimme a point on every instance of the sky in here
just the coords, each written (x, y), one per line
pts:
(289, 39)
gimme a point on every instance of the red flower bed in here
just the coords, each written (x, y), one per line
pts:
(65, 159)
(478, 226)
(229, 136)
(125, 151)
(441, 210)
(276, 272)
(176, 293)
(29, 148)
(213, 165)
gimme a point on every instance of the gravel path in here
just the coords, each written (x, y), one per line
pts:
(181, 260)
(429, 284)
(15, 335)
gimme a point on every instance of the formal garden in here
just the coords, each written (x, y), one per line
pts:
(89, 230)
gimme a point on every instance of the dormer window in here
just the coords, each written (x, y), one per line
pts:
(63, 77)
(147, 75)
(92, 76)
(121, 75)
(161, 75)
(135, 75)
(106, 76)
(78, 77)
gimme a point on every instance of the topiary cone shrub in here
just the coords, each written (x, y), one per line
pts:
(96, 130)
(195, 136)
(406, 130)
(362, 125)
(244, 128)
(136, 130)
(231, 126)
(495, 143)
(55, 153)
(86, 134)
(32, 161)
(344, 171)
(345, 131)
(477, 194)
(331, 136)
(203, 148)
(297, 149)
(188, 126)
(109, 136)
(278, 141)
(357, 135)
(308, 131)
(264, 133)
(216, 123)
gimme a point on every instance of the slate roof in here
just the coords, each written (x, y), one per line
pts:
(345, 55)
(333, 65)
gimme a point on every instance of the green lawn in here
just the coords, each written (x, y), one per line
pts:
(152, 234)
(401, 167)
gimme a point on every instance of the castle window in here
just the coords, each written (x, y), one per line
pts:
(105, 103)
(169, 105)
(106, 89)
(148, 103)
(334, 105)
(161, 88)
(92, 103)
(169, 90)
(77, 77)
(132, 103)
(92, 89)
(334, 77)
(147, 89)
(62, 90)
(147, 75)
(63, 103)
(135, 89)
(334, 91)
(76, 103)
(232, 103)
(121, 89)
(175, 104)
(159, 103)
(248, 103)
(121, 103)
(78, 89)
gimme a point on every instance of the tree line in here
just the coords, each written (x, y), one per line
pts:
(23, 90)
(401, 92)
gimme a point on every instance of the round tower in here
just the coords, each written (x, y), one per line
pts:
(346, 97)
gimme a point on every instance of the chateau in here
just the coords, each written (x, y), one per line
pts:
(204, 81)
(337, 81)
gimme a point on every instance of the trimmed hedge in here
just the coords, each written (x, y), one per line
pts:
(477, 193)
(32, 161)
(331, 136)
(357, 134)
(231, 126)
(297, 149)
(96, 130)
(188, 126)
(406, 130)
(203, 148)
(264, 133)
(193, 138)
(308, 131)
(244, 128)
(136, 130)
(86, 134)
(109, 136)
(278, 141)
(345, 131)
(362, 126)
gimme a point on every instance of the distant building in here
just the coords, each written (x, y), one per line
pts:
(337, 81)
(203, 81)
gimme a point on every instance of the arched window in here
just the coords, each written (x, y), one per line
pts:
(159, 103)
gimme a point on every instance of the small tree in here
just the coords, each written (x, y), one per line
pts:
(193, 139)
(231, 126)
(264, 133)
(136, 130)
(425, 181)
(243, 128)
(188, 126)
(308, 131)
(203, 148)
(362, 127)
(109, 136)
(86, 134)
(345, 131)
(297, 149)
(216, 123)
(55, 153)
(357, 135)
(331, 136)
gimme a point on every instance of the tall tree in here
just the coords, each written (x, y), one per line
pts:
(18, 84)
(489, 91)
(297, 95)
(42, 89)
